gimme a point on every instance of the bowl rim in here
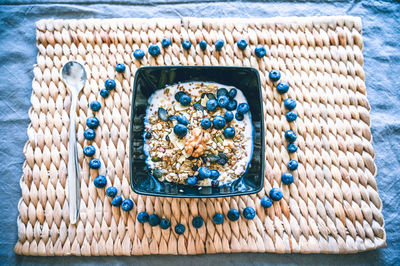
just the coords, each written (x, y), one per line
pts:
(233, 194)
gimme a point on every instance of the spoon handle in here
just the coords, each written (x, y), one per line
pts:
(73, 166)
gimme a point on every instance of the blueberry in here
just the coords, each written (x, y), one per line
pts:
(229, 132)
(289, 104)
(242, 44)
(166, 42)
(260, 51)
(223, 156)
(198, 107)
(148, 135)
(274, 75)
(185, 100)
(138, 54)
(127, 205)
(89, 150)
(266, 202)
(231, 105)
(203, 45)
(223, 101)
(214, 183)
(219, 122)
(292, 148)
(100, 181)
(95, 106)
(120, 68)
(178, 95)
(154, 220)
(239, 117)
(111, 192)
(291, 116)
(210, 96)
(154, 50)
(180, 229)
(219, 44)
(290, 136)
(218, 218)
(249, 213)
(293, 164)
(233, 215)
(89, 134)
(180, 130)
(94, 163)
(222, 161)
(92, 122)
(232, 93)
(204, 172)
(104, 93)
(275, 194)
(186, 44)
(117, 201)
(205, 123)
(222, 92)
(228, 116)
(192, 180)
(110, 84)
(243, 108)
(143, 217)
(282, 87)
(211, 105)
(197, 222)
(165, 223)
(183, 120)
(287, 178)
(214, 174)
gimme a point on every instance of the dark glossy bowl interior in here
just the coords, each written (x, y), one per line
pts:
(150, 79)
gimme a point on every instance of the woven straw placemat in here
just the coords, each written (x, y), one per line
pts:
(332, 206)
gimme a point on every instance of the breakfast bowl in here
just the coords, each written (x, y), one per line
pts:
(156, 81)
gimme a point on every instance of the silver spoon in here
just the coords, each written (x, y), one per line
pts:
(74, 75)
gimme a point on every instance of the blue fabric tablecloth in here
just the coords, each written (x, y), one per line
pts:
(381, 33)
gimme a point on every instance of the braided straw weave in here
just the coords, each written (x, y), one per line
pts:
(332, 206)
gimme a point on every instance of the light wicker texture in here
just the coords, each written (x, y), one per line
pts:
(333, 205)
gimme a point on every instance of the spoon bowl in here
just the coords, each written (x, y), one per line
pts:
(74, 75)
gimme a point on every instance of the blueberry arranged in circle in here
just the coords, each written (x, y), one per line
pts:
(111, 192)
(242, 44)
(197, 222)
(165, 223)
(95, 106)
(92, 122)
(249, 213)
(229, 132)
(218, 218)
(214, 174)
(260, 51)
(183, 120)
(104, 93)
(289, 104)
(292, 148)
(165, 42)
(231, 105)
(154, 219)
(89, 150)
(192, 180)
(180, 130)
(205, 123)
(222, 92)
(148, 135)
(282, 87)
(117, 201)
(275, 194)
(223, 101)
(204, 172)
(239, 117)
(287, 178)
(180, 229)
(292, 165)
(266, 202)
(110, 84)
(143, 217)
(186, 44)
(94, 163)
(154, 50)
(243, 108)
(89, 134)
(127, 205)
(120, 68)
(203, 45)
(178, 95)
(219, 44)
(219, 122)
(291, 116)
(233, 215)
(228, 116)
(290, 136)
(232, 93)
(274, 75)
(214, 183)
(211, 105)
(138, 54)
(185, 100)
(100, 181)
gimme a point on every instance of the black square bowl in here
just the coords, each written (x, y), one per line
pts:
(150, 79)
